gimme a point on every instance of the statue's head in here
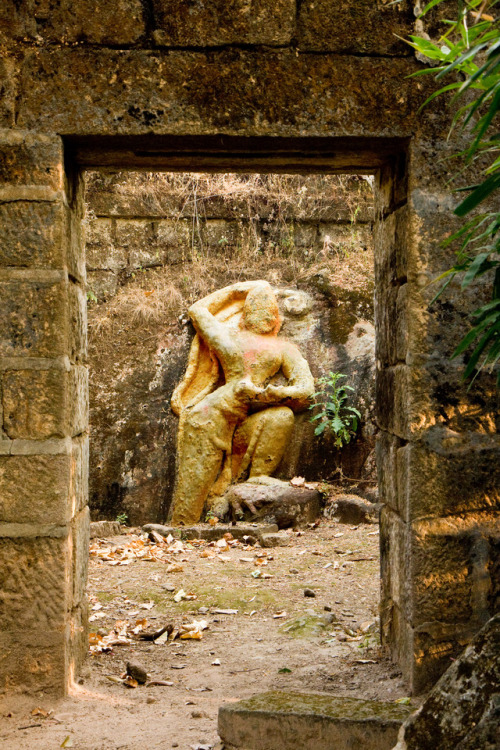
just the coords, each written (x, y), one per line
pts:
(260, 311)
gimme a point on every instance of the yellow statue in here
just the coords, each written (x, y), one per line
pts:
(237, 399)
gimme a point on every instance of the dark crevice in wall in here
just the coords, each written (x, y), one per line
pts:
(246, 47)
(149, 18)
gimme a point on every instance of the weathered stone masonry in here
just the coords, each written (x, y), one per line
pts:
(43, 442)
(318, 85)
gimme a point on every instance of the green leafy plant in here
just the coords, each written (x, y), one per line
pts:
(470, 52)
(332, 410)
(122, 518)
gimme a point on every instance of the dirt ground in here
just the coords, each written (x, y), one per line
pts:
(278, 638)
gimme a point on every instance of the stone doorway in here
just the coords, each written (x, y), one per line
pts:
(387, 160)
(47, 540)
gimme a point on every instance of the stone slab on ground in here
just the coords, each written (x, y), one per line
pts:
(275, 720)
(212, 533)
(282, 503)
(278, 539)
(354, 509)
(104, 529)
(460, 707)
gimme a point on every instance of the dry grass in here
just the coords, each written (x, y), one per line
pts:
(287, 192)
(157, 296)
(152, 296)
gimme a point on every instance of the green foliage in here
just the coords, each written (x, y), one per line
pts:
(470, 52)
(332, 410)
(122, 518)
(91, 296)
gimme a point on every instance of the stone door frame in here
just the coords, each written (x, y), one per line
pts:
(44, 522)
(386, 158)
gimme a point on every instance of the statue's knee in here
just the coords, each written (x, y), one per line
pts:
(282, 416)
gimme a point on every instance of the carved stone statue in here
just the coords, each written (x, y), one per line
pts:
(237, 399)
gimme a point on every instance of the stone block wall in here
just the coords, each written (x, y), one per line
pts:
(44, 518)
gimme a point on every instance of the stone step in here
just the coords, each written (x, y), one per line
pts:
(213, 533)
(288, 721)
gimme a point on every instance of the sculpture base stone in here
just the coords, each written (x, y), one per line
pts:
(275, 720)
(282, 504)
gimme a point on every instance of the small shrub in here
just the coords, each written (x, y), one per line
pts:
(332, 412)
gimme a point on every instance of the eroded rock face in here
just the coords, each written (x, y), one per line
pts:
(460, 710)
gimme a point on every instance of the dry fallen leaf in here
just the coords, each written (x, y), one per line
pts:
(174, 568)
(297, 481)
(41, 712)
(130, 682)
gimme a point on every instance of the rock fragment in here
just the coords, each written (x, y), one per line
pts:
(279, 539)
(137, 671)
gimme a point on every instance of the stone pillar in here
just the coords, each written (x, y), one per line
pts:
(44, 521)
(438, 457)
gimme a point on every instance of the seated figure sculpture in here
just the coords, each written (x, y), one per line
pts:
(237, 399)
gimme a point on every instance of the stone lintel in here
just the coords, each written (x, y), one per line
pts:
(75, 95)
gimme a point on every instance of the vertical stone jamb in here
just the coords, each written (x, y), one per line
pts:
(43, 419)
(439, 455)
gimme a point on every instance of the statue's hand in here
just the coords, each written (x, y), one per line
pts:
(248, 389)
(273, 393)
